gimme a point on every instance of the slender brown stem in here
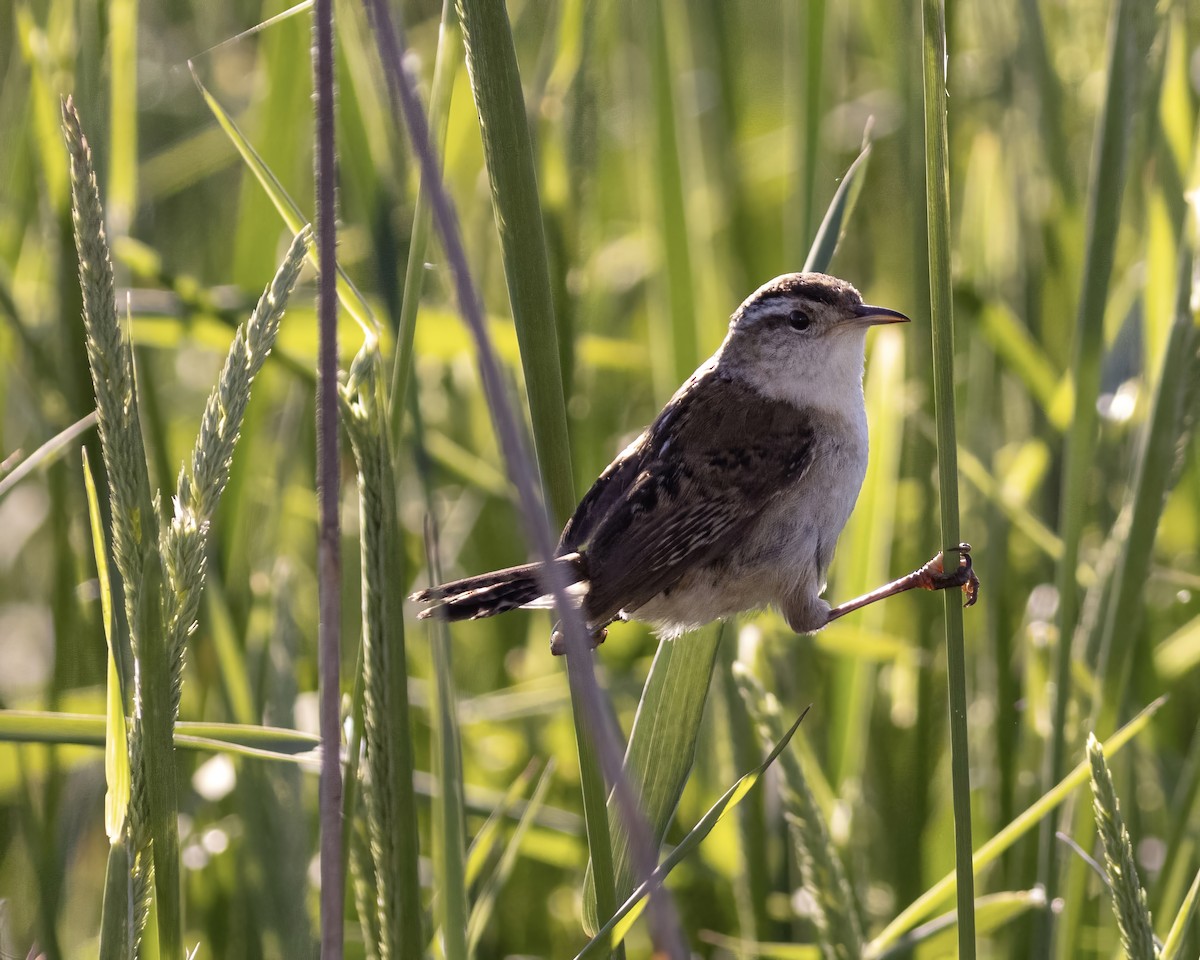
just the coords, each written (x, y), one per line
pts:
(328, 548)
(665, 932)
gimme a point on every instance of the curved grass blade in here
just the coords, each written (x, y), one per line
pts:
(662, 746)
(116, 743)
(348, 294)
(833, 226)
(115, 932)
(46, 454)
(924, 905)
(485, 903)
(1187, 912)
(991, 912)
(614, 931)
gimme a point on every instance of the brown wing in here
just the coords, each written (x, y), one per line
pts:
(608, 490)
(614, 483)
(709, 465)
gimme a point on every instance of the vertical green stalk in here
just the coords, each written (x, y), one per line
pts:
(123, 103)
(445, 69)
(508, 150)
(937, 199)
(389, 796)
(677, 337)
(662, 747)
(1104, 207)
(811, 40)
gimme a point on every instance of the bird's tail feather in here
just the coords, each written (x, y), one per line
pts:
(497, 592)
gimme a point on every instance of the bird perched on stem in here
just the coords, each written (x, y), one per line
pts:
(734, 498)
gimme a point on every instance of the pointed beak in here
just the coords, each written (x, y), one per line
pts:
(869, 316)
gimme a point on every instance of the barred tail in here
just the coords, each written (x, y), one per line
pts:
(497, 592)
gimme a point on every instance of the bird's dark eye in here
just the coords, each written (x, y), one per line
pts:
(798, 320)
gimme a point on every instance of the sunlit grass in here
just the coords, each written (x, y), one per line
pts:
(653, 166)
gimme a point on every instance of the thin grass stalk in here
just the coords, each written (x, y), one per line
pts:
(329, 558)
(614, 931)
(123, 103)
(937, 199)
(590, 700)
(811, 40)
(116, 915)
(1173, 945)
(445, 69)
(485, 902)
(1154, 474)
(1104, 207)
(449, 830)
(389, 796)
(508, 152)
(1134, 535)
(447, 819)
(822, 870)
(676, 338)
(661, 750)
(1129, 899)
(153, 804)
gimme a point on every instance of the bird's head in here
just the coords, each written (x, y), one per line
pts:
(801, 337)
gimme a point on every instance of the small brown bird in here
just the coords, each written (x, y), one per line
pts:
(734, 498)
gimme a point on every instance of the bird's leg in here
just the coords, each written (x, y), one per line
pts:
(932, 576)
(558, 640)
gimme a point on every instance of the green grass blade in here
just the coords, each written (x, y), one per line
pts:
(445, 69)
(114, 914)
(485, 903)
(348, 294)
(829, 234)
(662, 747)
(1183, 920)
(452, 911)
(158, 759)
(614, 931)
(252, 740)
(937, 199)
(991, 913)
(116, 742)
(1104, 208)
(123, 102)
(990, 851)
(673, 329)
(114, 923)
(487, 837)
(1153, 476)
(808, 46)
(508, 150)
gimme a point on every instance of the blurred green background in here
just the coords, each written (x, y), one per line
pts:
(686, 153)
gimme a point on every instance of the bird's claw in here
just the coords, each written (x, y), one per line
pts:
(934, 576)
(558, 639)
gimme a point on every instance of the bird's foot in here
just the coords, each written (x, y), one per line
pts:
(558, 639)
(935, 576)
